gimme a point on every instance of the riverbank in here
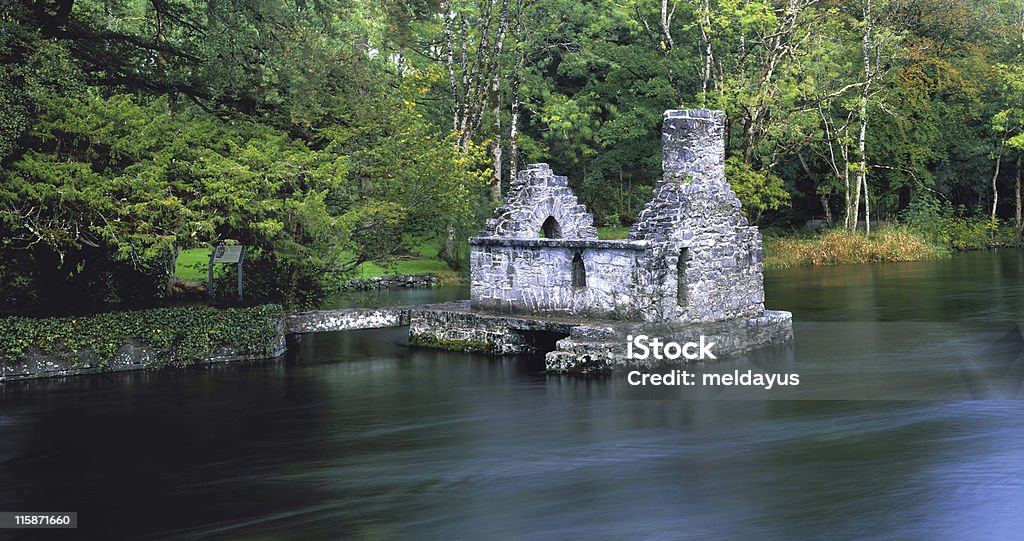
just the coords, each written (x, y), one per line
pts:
(889, 244)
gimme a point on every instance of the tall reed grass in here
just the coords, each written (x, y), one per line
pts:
(839, 247)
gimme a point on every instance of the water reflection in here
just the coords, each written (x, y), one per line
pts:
(973, 286)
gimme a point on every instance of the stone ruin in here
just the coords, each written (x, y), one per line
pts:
(691, 266)
(690, 256)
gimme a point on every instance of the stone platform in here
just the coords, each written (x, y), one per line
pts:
(584, 346)
(595, 348)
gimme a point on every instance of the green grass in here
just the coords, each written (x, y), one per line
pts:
(192, 263)
(612, 232)
(402, 266)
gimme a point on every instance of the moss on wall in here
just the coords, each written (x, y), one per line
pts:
(177, 336)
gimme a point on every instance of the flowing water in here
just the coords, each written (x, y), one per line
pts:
(356, 436)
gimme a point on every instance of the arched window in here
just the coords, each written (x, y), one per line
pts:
(684, 256)
(550, 229)
(579, 272)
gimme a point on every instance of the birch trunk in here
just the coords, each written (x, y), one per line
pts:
(666, 25)
(513, 137)
(450, 46)
(850, 213)
(862, 170)
(995, 188)
(856, 203)
(867, 207)
(1016, 214)
(709, 56)
(496, 145)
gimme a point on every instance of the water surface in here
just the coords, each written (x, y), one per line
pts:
(357, 436)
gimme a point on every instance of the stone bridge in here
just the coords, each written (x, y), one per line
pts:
(451, 325)
(347, 319)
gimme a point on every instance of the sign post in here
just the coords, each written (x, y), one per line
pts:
(226, 254)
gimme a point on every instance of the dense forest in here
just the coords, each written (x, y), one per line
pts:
(329, 133)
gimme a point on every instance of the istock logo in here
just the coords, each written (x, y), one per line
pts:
(646, 347)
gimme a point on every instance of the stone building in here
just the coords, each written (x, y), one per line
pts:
(690, 257)
(541, 280)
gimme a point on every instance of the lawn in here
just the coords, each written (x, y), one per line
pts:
(192, 264)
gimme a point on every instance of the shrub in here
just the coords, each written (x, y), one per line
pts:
(942, 225)
(964, 233)
(926, 215)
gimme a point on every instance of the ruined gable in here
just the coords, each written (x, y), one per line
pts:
(538, 197)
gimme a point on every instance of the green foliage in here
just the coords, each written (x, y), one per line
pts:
(972, 233)
(927, 216)
(318, 133)
(758, 191)
(408, 186)
(946, 228)
(141, 182)
(1009, 121)
(31, 69)
(178, 336)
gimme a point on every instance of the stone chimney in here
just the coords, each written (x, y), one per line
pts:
(693, 145)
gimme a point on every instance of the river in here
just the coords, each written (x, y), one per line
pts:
(356, 436)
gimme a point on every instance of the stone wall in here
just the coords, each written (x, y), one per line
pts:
(693, 145)
(132, 356)
(722, 274)
(351, 319)
(539, 276)
(515, 270)
(586, 346)
(347, 319)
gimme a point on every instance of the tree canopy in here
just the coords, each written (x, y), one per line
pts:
(327, 133)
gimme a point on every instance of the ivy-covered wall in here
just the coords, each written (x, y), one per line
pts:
(155, 338)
